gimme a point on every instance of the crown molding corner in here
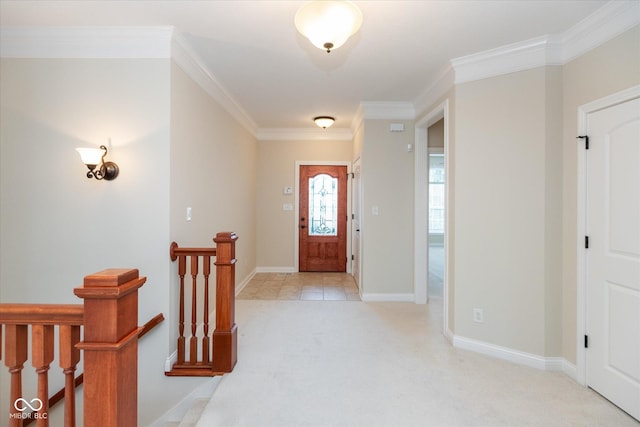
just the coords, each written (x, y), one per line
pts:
(191, 63)
(444, 82)
(609, 21)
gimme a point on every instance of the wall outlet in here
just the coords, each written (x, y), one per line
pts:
(478, 315)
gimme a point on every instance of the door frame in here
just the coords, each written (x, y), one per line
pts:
(296, 207)
(421, 211)
(581, 224)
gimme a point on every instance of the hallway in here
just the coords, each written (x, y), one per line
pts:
(345, 363)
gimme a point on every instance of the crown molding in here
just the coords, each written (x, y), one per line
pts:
(611, 20)
(443, 83)
(191, 63)
(302, 134)
(86, 42)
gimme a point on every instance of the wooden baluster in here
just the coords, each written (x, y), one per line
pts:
(193, 342)
(182, 268)
(69, 358)
(206, 271)
(225, 336)
(110, 347)
(41, 358)
(16, 349)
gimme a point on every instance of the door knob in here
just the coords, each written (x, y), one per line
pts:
(303, 226)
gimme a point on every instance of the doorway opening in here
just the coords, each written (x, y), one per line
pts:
(432, 225)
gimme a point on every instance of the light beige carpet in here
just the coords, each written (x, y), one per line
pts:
(345, 363)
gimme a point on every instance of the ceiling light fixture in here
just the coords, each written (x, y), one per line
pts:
(324, 121)
(328, 23)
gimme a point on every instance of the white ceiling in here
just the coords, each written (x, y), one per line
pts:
(282, 81)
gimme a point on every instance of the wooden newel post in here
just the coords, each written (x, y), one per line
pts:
(110, 347)
(225, 336)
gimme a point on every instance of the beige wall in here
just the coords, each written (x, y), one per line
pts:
(58, 226)
(275, 228)
(436, 134)
(387, 182)
(612, 67)
(500, 209)
(213, 171)
(175, 148)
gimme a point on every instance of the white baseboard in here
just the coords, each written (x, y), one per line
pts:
(276, 270)
(370, 297)
(170, 361)
(177, 413)
(245, 282)
(570, 369)
(515, 356)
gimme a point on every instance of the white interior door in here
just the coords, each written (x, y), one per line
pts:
(355, 224)
(613, 256)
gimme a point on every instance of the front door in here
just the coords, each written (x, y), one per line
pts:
(323, 218)
(613, 255)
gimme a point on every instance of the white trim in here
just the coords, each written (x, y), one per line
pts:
(276, 269)
(375, 297)
(86, 42)
(313, 134)
(170, 361)
(296, 205)
(443, 83)
(611, 20)
(508, 354)
(570, 370)
(177, 413)
(193, 65)
(505, 59)
(421, 213)
(245, 282)
(581, 304)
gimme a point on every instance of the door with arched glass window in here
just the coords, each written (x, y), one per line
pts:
(323, 218)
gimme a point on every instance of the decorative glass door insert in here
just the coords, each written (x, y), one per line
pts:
(323, 205)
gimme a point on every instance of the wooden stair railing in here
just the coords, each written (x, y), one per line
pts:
(110, 345)
(218, 355)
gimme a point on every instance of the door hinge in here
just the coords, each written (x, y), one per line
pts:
(353, 257)
(586, 341)
(586, 242)
(353, 216)
(586, 140)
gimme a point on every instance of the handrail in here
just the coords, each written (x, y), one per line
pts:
(175, 250)
(42, 314)
(110, 336)
(59, 395)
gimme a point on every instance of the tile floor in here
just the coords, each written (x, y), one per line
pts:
(301, 286)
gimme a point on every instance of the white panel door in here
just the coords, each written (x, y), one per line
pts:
(613, 257)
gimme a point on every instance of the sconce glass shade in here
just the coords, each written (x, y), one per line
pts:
(91, 156)
(328, 24)
(324, 121)
(98, 168)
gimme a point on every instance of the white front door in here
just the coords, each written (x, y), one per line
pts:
(613, 255)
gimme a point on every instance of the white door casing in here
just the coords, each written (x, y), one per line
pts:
(612, 260)
(356, 223)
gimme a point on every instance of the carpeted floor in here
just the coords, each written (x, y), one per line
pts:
(349, 363)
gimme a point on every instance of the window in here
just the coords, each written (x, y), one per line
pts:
(323, 205)
(436, 193)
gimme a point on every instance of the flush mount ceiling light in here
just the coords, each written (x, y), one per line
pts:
(324, 121)
(328, 23)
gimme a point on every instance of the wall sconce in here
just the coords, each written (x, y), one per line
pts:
(92, 157)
